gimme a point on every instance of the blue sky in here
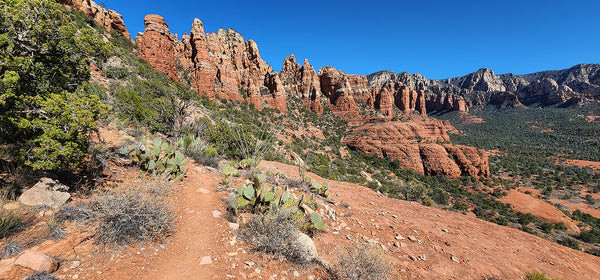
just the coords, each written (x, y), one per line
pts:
(439, 39)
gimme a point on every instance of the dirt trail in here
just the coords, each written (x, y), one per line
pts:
(198, 233)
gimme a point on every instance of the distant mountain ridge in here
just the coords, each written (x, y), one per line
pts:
(566, 87)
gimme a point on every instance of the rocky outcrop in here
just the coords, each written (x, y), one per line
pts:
(303, 82)
(157, 45)
(336, 86)
(277, 99)
(446, 102)
(415, 145)
(564, 88)
(220, 64)
(398, 95)
(545, 91)
(110, 19)
(343, 91)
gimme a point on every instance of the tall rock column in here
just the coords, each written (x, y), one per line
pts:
(303, 82)
(157, 45)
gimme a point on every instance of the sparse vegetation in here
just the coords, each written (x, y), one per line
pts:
(10, 223)
(536, 275)
(129, 216)
(273, 233)
(362, 262)
(41, 276)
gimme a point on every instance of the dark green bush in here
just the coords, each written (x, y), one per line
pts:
(569, 242)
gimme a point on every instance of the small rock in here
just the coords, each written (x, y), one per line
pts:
(296, 273)
(444, 230)
(412, 238)
(234, 226)
(201, 190)
(423, 257)
(394, 216)
(37, 262)
(216, 213)
(205, 260)
(249, 263)
(46, 192)
(454, 259)
(399, 237)
(75, 264)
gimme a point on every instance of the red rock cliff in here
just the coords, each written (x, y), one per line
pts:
(218, 64)
(415, 144)
(110, 19)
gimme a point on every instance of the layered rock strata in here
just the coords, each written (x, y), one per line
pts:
(420, 145)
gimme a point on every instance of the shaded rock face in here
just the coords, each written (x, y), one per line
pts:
(110, 19)
(414, 145)
(218, 64)
(337, 87)
(397, 94)
(564, 87)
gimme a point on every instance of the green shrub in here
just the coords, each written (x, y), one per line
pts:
(47, 109)
(536, 275)
(569, 242)
(116, 72)
(547, 227)
(590, 236)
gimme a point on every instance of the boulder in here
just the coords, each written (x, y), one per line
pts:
(304, 245)
(36, 261)
(46, 192)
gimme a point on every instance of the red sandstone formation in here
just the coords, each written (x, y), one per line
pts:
(344, 91)
(110, 19)
(446, 102)
(336, 85)
(218, 64)
(414, 145)
(157, 45)
(302, 81)
(223, 65)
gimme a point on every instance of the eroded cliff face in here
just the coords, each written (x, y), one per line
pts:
(302, 81)
(566, 87)
(110, 19)
(421, 145)
(218, 64)
(224, 65)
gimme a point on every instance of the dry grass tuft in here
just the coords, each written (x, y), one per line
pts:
(128, 216)
(362, 262)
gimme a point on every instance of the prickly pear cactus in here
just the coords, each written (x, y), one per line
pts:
(160, 158)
